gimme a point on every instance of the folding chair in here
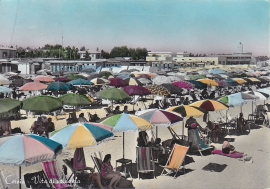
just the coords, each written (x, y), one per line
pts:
(201, 146)
(144, 159)
(37, 180)
(53, 175)
(176, 159)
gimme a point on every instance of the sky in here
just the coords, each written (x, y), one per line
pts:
(195, 26)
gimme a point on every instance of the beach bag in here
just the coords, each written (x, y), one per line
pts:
(79, 159)
(193, 125)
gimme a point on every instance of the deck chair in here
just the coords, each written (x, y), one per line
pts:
(53, 175)
(144, 159)
(78, 175)
(97, 158)
(2, 180)
(175, 159)
(200, 145)
(37, 180)
(258, 114)
(228, 121)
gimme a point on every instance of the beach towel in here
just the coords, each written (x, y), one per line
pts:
(234, 155)
(79, 159)
(214, 167)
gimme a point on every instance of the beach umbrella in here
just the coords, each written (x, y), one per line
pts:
(42, 104)
(210, 105)
(172, 88)
(117, 82)
(158, 90)
(80, 81)
(174, 78)
(4, 81)
(208, 82)
(252, 80)
(136, 90)
(160, 118)
(62, 79)
(197, 84)
(224, 76)
(46, 79)
(160, 79)
(223, 83)
(263, 80)
(264, 90)
(125, 122)
(145, 81)
(59, 86)
(5, 90)
(133, 81)
(113, 94)
(239, 80)
(100, 81)
(184, 85)
(260, 95)
(232, 82)
(74, 99)
(216, 71)
(146, 76)
(20, 82)
(33, 86)
(25, 150)
(9, 107)
(195, 77)
(79, 135)
(75, 76)
(187, 111)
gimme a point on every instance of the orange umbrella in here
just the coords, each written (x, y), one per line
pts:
(33, 86)
(44, 79)
(209, 82)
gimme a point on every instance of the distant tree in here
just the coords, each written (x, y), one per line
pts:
(82, 48)
(119, 52)
(87, 56)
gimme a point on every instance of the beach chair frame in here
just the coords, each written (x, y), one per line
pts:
(149, 160)
(170, 157)
(2, 180)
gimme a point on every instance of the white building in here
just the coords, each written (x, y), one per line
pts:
(92, 54)
(6, 52)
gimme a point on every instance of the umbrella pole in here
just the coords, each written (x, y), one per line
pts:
(252, 107)
(183, 129)
(123, 145)
(156, 131)
(20, 172)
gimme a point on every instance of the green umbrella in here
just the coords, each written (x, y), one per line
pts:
(9, 107)
(42, 104)
(74, 99)
(113, 94)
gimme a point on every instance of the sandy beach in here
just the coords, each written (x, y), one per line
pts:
(237, 174)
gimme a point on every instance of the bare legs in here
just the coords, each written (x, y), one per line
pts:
(96, 178)
(115, 178)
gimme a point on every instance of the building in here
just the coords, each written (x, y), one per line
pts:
(8, 65)
(6, 52)
(93, 55)
(169, 60)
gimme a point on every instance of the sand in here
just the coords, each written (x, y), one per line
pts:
(237, 174)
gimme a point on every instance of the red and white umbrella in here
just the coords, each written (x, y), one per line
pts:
(33, 86)
(44, 79)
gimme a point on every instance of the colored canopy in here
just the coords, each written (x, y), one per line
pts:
(210, 105)
(133, 81)
(9, 107)
(172, 88)
(100, 81)
(187, 111)
(27, 149)
(160, 117)
(125, 122)
(136, 90)
(81, 135)
(59, 86)
(44, 79)
(184, 85)
(74, 99)
(113, 94)
(237, 99)
(117, 82)
(158, 90)
(5, 90)
(198, 85)
(208, 82)
(80, 81)
(33, 86)
(42, 104)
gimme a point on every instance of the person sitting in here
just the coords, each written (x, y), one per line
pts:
(186, 101)
(265, 117)
(82, 118)
(227, 148)
(50, 126)
(117, 110)
(108, 172)
(95, 118)
(38, 127)
(5, 127)
(204, 93)
(125, 110)
(242, 124)
(212, 95)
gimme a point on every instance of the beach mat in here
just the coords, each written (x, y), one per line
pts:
(234, 155)
(214, 167)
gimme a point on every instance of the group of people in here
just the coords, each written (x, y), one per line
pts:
(42, 126)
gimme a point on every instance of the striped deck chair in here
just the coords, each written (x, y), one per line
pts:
(53, 175)
(2, 180)
(176, 159)
(199, 143)
(145, 162)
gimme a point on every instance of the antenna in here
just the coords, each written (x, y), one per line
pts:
(62, 38)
